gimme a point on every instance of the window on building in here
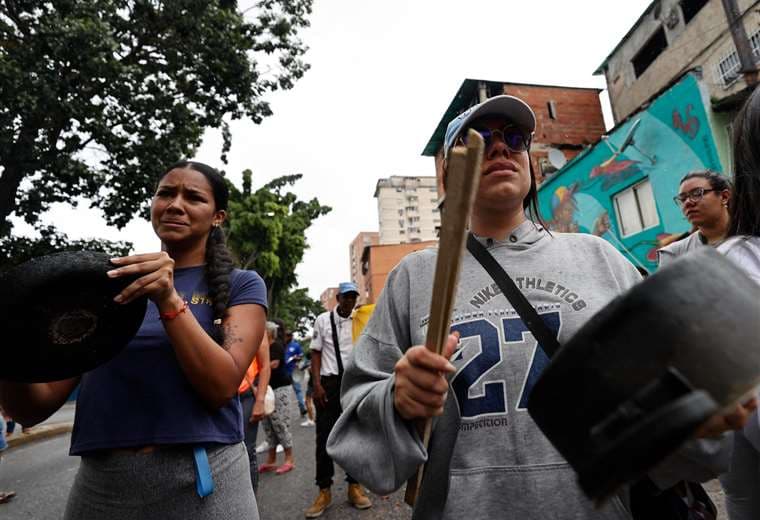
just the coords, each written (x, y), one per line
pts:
(635, 208)
(401, 223)
(649, 52)
(690, 8)
(552, 108)
(728, 68)
(401, 212)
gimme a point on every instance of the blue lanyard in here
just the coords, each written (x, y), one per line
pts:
(204, 482)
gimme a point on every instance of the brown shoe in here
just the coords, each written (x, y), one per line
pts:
(357, 497)
(320, 504)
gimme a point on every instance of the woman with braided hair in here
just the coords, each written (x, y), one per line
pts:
(159, 427)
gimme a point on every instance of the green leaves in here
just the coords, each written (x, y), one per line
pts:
(267, 232)
(15, 250)
(98, 96)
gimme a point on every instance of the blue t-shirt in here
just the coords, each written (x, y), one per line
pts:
(292, 352)
(142, 397)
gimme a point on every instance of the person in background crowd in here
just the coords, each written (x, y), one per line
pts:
(703, 197)
(252, 391)
(161, 422)
(5, 496)
(331, 348)
(308, 382)
(742, 482)
(294, 354)
(277, 425)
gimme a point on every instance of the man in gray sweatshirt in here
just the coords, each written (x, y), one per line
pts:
(487, 458)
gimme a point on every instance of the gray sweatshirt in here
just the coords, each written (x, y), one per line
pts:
(501, 465)
(488, 459)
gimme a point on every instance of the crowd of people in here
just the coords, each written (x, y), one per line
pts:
(208, 364)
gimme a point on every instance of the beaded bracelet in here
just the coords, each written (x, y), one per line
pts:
(168, 316)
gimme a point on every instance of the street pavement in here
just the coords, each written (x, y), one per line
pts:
(285, 497)
(41, 473)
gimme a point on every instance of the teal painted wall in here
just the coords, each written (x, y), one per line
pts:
(675, 132)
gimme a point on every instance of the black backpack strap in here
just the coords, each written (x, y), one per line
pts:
(336, 344)
(532, 320)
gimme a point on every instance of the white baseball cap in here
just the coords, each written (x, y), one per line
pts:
(514, 109)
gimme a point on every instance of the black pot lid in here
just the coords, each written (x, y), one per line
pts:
(60, 317)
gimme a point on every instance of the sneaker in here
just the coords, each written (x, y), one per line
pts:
(261, 448)
(357, 497)
(320, 504)
(307, 422)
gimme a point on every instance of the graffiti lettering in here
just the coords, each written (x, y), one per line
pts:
(691, 126)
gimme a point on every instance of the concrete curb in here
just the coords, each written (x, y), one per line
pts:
(39, 433)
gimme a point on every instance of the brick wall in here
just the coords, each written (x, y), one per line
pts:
(579, 119)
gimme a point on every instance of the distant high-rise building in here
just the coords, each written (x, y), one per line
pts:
(379, 260)
(328, 298)
(362, 240)
(407, 209)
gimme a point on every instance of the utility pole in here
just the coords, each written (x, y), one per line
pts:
(741, 41)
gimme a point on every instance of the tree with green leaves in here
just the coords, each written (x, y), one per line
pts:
(298, 310)
(15, 250)
(267, 233)
(98, 96)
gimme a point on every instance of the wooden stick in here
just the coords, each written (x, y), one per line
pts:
(462, 178)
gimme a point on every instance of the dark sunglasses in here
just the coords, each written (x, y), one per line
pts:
(515, 139)
(694, 195)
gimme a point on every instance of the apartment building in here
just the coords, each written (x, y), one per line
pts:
(407, 209)
(356, 249)
(672, 37)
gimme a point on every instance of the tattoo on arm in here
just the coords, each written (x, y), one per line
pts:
(230, 337)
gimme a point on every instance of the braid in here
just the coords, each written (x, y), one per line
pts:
(218, 268)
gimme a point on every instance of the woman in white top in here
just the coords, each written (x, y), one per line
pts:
(703, 197)
(742, 483)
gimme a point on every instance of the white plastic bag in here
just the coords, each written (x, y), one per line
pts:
(269, 401)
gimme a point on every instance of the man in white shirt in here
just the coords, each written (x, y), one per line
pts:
(326, 371)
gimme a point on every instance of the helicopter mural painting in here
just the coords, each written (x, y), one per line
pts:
(621, 188)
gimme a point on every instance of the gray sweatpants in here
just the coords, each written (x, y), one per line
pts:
(160, 485)
(277, 425)
(742, 482)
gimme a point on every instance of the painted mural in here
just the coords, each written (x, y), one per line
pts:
(662, 143)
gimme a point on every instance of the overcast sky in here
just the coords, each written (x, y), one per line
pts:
(382, 74)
